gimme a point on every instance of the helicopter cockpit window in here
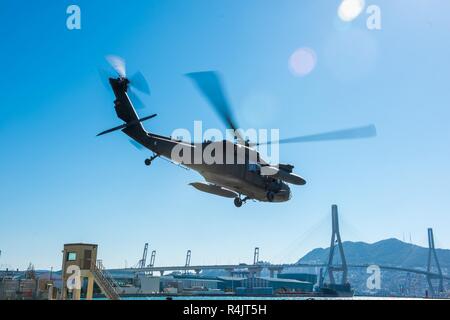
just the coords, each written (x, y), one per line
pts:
(254, 167)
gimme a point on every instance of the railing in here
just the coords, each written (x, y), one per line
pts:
(106, 273)
(105, 280)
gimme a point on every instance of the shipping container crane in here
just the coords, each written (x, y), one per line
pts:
(143, 261)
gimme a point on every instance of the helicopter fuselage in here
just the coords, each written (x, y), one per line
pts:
(233, 169)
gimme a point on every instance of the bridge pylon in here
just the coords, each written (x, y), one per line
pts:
(432, 256)
(336, 241)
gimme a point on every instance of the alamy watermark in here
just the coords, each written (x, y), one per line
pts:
(73, 21)
(374, 280)
(74, 280)
(373, 21)
(217, 148)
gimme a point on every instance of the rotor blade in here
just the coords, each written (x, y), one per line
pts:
(104, 78)
(346, 134)
(135, 100)
(139, 82)
(210, 85)
(118, 64)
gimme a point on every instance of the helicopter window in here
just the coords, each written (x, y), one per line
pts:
(254, 167)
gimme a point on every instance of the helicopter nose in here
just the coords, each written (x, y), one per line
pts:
(284, 194)
(288, 192)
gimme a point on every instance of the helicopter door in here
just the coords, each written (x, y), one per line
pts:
(253, 172)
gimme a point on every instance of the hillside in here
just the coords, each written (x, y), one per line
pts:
(392, 252)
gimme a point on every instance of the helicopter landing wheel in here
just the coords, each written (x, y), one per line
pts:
(149, 161)
(270, 196)
(238, 202)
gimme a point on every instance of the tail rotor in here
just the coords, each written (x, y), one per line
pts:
(137, 81)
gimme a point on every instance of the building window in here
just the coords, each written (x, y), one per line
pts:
(71, 256)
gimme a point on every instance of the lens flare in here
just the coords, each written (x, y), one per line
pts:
(302, 61)
(350, 9)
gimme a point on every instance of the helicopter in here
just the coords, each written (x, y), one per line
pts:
(247, 176)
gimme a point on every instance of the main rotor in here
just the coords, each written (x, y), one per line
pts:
(210, 85)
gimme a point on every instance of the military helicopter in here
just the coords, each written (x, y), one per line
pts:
(247, 176)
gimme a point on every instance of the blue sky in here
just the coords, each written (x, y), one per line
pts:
(59, 183)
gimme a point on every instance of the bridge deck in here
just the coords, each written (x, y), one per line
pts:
(268, 266)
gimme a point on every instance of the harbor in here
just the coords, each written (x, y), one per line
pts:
(87, 278)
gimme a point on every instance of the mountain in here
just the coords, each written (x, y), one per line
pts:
(390, 252)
